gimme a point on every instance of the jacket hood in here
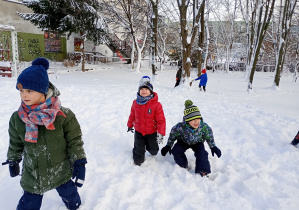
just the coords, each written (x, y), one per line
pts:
(53, 91)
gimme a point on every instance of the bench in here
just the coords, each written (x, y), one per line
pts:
(5, 71)
(173, 63)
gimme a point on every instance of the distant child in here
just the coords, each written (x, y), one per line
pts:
(295, 140)
(191, 133)
(203, 80)
(147, 117)
(48, 137)
(178, 77)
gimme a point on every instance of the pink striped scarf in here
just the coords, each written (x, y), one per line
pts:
(42, 114)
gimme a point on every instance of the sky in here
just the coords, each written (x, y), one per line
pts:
(258, 168)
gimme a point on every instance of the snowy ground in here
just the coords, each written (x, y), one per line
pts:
(258, 169)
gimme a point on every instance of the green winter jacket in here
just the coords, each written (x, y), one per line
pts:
(48, 163)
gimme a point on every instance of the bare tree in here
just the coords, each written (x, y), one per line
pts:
(286, 11)
(154, 27)
(296, 39)
(188, 30)
(169, 42)
(297, 62)
(133, 17)
(258, 16)
(227, 28)
(201, 38)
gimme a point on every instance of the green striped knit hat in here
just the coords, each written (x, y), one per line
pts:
(191, 112)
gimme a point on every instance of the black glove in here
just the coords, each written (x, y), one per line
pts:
(217, 151)
(14, 167)
(130, 129)
(79, 172)
(165, 149)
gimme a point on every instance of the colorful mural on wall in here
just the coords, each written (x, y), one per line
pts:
(52, 42)
(31, 46)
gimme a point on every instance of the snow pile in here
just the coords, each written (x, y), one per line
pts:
(258, 169)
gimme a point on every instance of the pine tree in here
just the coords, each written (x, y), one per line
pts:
(69, 16)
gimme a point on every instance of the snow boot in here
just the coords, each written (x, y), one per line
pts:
(204, 174)
(295, 142)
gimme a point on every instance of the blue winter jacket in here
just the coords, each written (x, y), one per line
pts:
(184, 132)
(203, 79)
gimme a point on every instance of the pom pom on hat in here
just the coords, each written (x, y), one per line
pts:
(41, 61)
(35, 77)
(191, 112)
(188, 103)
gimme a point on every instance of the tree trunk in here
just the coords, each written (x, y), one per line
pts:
(201, 37)
(138, 65)
(260, 29)
(82, 51)
(288, 10)
(154, 35)
(186, 35)
(132, 55)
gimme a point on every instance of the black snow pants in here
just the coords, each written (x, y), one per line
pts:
(142, 144)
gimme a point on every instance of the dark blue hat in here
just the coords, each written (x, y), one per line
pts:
(35, 77)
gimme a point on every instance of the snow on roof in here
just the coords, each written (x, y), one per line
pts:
(7, 27)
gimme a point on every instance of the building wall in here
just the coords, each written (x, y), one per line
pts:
(88, 46)
(9, 16)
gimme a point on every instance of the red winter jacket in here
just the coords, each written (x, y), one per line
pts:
(148, 118)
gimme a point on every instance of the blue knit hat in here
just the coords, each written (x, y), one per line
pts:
(35, 77)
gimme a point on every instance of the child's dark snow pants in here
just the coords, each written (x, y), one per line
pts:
(143, 143)
(202, 163)
(68, 193)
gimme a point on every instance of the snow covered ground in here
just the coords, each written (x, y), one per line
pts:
(258, 169)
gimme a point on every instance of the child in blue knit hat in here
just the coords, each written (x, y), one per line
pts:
(191, 134)
(47, 137)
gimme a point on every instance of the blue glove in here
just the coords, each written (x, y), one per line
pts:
(14, 167)
(79, 172)
(217, 151)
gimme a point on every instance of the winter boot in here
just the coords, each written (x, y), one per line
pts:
(296, 140)
(138, 162)
(204, 174)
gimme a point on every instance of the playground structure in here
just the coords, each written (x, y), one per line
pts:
(8, 66)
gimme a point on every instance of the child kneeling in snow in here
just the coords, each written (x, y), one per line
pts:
(191, 133)
(147, 117)
(48, 137)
